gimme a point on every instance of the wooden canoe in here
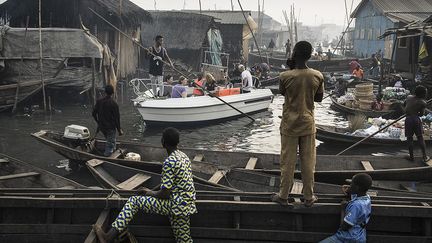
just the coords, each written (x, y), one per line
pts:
(15, 173)
(353, 111)
(118, 177)
(329, 168)
(110, 174)
(68, 219)
(333, 134)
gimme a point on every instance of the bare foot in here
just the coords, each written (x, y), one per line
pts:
(101, 235)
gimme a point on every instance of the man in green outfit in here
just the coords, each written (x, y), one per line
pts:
(175, 199)
(301, 86)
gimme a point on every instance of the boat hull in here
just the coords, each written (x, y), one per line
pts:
(203, 108)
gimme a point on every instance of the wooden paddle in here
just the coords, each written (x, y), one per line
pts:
(373, 134)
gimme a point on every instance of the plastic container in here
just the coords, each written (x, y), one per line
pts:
(133, 156)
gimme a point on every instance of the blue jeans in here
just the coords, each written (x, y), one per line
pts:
(331, 239)
(110, 136)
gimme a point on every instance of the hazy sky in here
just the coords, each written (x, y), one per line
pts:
(311, 11)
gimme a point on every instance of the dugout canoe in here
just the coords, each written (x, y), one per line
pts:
(110, 174)
(353, 111)
(333, 134)
(68, 219)
(15, 173)
(329, 168)
(118, 177)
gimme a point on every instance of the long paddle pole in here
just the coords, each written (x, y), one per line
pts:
(226, 103)
(373, 134)
(136, 43)
(181, 73)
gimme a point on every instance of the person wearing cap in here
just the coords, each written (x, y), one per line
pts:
(246, 77)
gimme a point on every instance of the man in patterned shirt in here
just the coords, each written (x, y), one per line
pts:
(176, 197)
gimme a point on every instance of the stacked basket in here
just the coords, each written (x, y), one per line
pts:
(364, 94)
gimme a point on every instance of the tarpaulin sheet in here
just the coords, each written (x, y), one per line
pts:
(56, 43)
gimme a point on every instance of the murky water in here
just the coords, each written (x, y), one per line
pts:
(234, 135)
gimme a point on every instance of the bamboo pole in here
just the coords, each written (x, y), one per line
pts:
(22, 63)
(250, 29)
(40, 55)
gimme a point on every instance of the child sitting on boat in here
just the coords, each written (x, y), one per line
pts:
(356, 213)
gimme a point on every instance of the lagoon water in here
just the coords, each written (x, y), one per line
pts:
(233, 135)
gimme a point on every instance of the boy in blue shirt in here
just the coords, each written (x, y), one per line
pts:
(357, 212)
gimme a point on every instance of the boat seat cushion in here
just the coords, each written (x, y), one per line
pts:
(134, 182)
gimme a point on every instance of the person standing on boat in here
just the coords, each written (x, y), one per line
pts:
(357, 211)
(107, 116)
(270, 47)
(179, 90)
(375, 63)
(157, 56)
(246, 77)
(301, 86)
(175, 198)
(288, 48)
(415, 106)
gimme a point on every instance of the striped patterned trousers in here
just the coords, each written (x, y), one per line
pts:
(180, 225)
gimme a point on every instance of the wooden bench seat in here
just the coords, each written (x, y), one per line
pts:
(19, 175)
(117, 153)
(217, 176)
(198, 157)
(134, 182)
(367, 166)
(251, 163)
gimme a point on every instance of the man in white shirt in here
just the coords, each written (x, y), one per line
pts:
(246, 77)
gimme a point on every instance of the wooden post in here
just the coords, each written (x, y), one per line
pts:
(40, 55)
(395, 43)
(200, 5)
(93, 81)
(22, 63)
(413, 58)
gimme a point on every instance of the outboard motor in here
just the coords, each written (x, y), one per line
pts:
(77, 136)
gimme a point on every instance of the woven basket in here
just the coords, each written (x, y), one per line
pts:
(364, 88)
(365, 104)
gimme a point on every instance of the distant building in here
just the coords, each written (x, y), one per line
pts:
(232, 25)
(374, 17)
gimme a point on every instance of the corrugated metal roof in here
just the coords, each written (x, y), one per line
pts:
(224, 16)
(400, 10)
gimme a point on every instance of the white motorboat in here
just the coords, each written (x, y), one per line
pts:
(202, 108)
